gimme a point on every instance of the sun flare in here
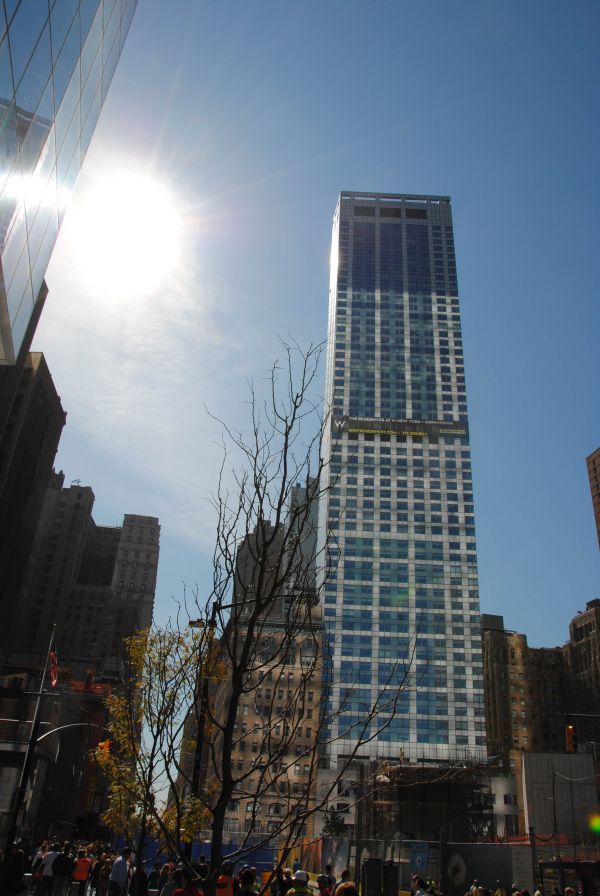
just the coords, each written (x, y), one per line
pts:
(129, 239)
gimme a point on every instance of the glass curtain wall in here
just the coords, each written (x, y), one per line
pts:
(57, 59)
(401, 594)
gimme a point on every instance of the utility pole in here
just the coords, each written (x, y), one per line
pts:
(19, 796)
(201, 697)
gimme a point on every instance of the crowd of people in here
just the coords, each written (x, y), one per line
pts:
(66, 869)
(479, 889)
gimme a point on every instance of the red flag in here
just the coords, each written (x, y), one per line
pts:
(53, 668)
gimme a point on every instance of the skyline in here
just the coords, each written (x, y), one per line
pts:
(266, 202)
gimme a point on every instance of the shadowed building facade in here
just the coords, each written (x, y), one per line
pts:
(28, 443)
(593, 468)
(402, 589)
(95, 582)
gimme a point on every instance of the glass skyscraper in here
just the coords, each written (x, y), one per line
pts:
(401, 593)
(57, 59)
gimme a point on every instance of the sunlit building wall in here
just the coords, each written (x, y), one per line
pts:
(401, 602)
(57, 59)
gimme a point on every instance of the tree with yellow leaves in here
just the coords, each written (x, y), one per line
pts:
(148, 738)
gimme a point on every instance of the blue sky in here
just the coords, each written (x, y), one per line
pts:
(253, 116)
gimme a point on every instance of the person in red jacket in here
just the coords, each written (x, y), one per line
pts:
(81, 871)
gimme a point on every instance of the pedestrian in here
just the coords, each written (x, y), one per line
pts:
(539, 891)
(287, 883)
(119, 874)
(62, 869)
(247, 881)
(348, 888)
(300, 887)
(154, 877)
(81, 871)
(330, 875)
(499, 891)
(46, 866)
(225, 881)
(139, 881)
(345, 877)
(103, 879)
(202, 869)
(324, 885)
(188, 884)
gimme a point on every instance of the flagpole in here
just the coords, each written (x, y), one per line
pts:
(27, 763)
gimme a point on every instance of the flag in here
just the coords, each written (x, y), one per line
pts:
(53, 668)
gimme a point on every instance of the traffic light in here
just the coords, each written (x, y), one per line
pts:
(571, 738)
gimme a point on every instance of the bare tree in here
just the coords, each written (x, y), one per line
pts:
(244, 740)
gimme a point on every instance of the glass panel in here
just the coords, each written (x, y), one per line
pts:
(108, 8)
(8, 142)
(41, 242)
(36, 75)
(9, 200)
(65, 187)
(11, 6)
(111, 29)
(66, 62)
(91, 46)
(109, 68)
(40, 201)
(70, 145)
(61, 18)
(90, 124)
(24, 31)
(35, 187)
(91, 86)
(87, 11)
(2, 22)
(13, 251)
(38, 130)
(6, 82)
(127, 10)
(21, 323)
(67, 109)
(18, 282)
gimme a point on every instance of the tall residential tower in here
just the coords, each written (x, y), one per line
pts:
(403, 586)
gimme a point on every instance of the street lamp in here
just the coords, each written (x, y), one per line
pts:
(200, 696)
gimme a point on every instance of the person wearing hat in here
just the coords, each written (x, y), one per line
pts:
(300, 887)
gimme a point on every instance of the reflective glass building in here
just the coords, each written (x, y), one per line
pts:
(57, 59)
(402, 595)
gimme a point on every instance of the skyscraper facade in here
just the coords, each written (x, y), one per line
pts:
(401, 596)
(57, 59)
(593, 468)
(96, 584)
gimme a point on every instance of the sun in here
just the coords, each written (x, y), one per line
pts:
(129, 234)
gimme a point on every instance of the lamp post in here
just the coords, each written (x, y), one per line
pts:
(19, 795)
(201, 697)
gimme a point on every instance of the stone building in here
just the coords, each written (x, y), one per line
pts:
(95, 583)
